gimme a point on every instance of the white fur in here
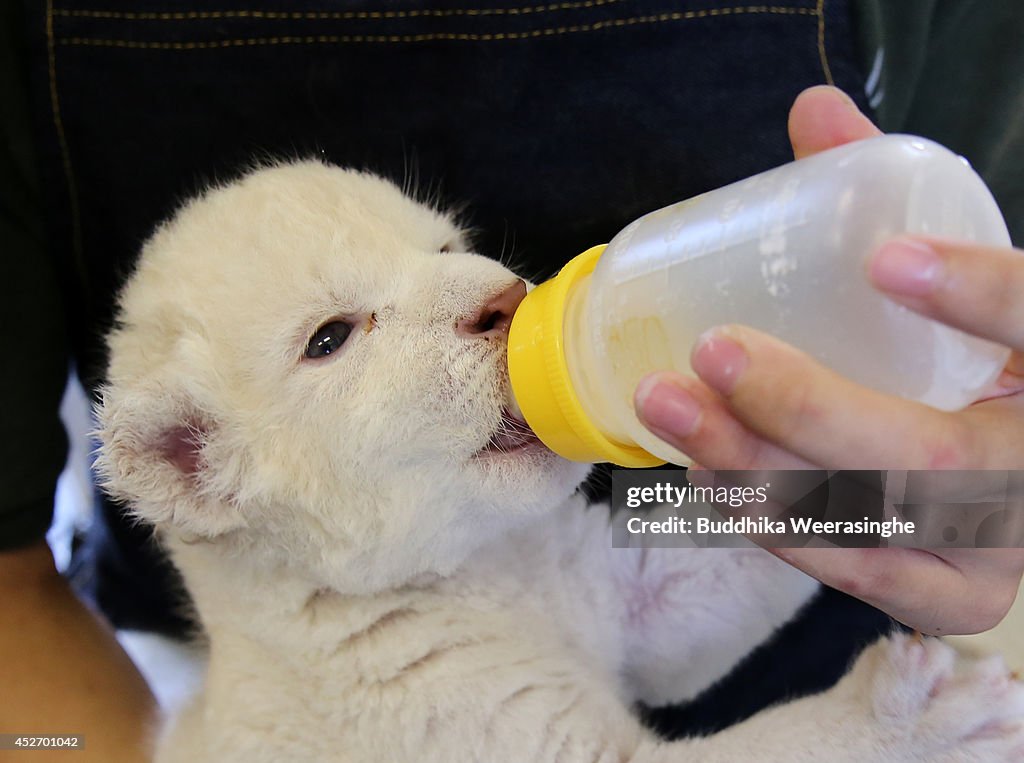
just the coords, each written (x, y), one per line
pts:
(373, 587)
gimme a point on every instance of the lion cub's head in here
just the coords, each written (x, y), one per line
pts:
(309, 366)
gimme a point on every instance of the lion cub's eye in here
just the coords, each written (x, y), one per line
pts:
(328, 338)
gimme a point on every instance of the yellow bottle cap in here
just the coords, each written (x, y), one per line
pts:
(540, 375)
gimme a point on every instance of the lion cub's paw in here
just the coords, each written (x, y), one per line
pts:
(931, 705)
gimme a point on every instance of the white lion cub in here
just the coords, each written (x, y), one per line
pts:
(308, 399)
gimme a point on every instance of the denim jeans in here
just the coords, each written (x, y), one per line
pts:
(554, 123)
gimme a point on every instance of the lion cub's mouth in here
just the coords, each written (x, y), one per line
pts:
(511, 435)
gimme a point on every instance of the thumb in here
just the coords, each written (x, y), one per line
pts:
(824, 117)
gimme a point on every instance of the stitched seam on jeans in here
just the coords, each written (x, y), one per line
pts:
(448, 36)
(65, 153)
(326, 15)
(826, 69)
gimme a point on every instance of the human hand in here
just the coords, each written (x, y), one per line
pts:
(760, 404)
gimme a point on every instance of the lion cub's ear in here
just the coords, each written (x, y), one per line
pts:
(165, 456)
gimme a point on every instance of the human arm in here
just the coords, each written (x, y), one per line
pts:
(64, 672)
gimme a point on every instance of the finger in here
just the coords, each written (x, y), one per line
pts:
(1009, 382)
(979, 289)
(787, 398)
(823, 117)
(692, 418)
(917, 587)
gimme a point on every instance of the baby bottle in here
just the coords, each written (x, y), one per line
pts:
(783, 252)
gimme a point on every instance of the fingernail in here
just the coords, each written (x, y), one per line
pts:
(844, 97)
(906, 266)
(718, 360)
(849, 102)
(667, 407)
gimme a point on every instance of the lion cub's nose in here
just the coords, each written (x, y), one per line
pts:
(495, 315)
